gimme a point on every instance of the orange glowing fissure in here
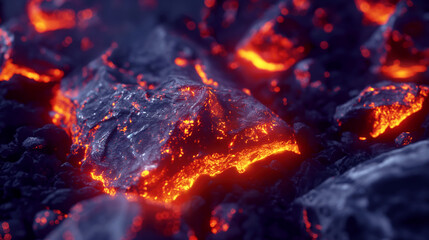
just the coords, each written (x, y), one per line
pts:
(396, 70)
(391, 116)
(50, 21)
(9, 69)
(214, 165)
(203, 76)
(377, 12)
(269, 51)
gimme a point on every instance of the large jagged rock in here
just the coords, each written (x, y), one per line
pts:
(384, 198)
(147, 122)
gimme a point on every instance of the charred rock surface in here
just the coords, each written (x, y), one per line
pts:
(168, 126)
(372, 200)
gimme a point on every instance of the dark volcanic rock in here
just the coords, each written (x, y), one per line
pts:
(99, 218)
(151, 118)
(106, 217)
(384, 198)
(382, 107)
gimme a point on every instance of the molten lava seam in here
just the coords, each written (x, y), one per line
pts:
(385, 117)
(402, 72)
(10, 69)
(214, 165)
(260, 63)
(44, 22)
(269, 51)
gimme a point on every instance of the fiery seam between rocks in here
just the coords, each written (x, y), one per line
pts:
(277, 56)
(10, 69)
(377, 12)
(44, 22)
(402, 72)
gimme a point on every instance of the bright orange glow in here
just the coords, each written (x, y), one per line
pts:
(110, 191)
(63, 110)
(64, 115)
(269, 51)
(391, 116)
(10, 69)
(247, 91)
(376, 11)
(402, 72)
(203, 76)
(260, 63)
(181, 62)
(45, 22)
(213, 165)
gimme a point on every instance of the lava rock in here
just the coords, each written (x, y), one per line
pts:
(380, 108)
(383, 198)
(176, 122)
(107, 217)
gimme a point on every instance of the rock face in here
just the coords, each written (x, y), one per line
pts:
(100, 218)
(159, 125)
(380, 108)
(384, 198)
(105, 217)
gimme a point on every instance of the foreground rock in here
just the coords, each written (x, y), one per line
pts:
(114, 218)
(384, 198)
